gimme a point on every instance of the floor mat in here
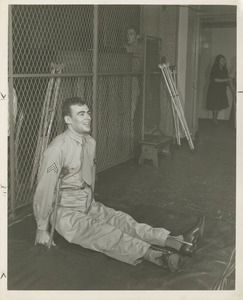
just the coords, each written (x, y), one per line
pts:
(171, 196)
(71, 267)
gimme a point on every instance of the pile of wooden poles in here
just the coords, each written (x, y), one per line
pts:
(177, 110)
(47, 117)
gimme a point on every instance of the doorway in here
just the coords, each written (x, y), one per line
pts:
(217, 35)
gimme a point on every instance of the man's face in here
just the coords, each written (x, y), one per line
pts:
(80, 119)
(131, 36)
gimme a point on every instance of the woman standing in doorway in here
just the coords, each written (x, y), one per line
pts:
(219, 79)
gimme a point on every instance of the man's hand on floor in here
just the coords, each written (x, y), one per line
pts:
(43, 237)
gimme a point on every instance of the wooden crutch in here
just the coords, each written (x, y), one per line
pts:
(181, 114)
(177, 125)
(176, 119)
(174, 113)
(178, 102)
(177, 99)
(174, 94)
(43, 137)
(64, 172)
(174, 108)
(177, 128)
(40, 131)
(48, 123)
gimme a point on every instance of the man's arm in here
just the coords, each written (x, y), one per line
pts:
(93, 177)
(45, 191)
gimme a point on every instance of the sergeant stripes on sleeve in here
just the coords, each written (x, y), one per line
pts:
(53, 167)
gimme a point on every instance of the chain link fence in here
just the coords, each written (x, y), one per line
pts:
(91, 43)
(152, 107)
(114, 138)
(41, 35)
(169, 35)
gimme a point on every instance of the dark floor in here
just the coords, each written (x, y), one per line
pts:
(188, 185)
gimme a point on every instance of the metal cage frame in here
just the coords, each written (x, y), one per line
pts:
(102, 74)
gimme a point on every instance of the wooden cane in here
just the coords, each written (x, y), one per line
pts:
(56, 202)
(64, 172)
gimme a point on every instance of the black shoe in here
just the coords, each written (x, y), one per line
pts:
(193, 236)
(168, 260)
(171, 261)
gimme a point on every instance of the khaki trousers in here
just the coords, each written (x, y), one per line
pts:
(106, 230)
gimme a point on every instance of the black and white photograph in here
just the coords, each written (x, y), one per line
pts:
(120, 159)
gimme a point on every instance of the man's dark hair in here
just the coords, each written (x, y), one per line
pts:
(66, 107)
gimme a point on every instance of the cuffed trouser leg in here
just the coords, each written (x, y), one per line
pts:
(79, 228)
(127, 224)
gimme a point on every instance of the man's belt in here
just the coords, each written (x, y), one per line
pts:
(74, 188)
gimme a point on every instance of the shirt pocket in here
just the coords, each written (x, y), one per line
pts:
(73, 163)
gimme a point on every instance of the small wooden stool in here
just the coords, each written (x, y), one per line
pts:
(152, 145)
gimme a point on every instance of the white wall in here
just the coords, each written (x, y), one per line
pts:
(214, 41)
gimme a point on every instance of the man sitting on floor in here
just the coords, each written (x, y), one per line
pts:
(86, 222)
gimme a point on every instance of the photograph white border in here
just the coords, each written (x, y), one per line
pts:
(118, 295)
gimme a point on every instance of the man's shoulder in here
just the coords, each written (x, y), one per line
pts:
(59, 141)
(90, 140)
